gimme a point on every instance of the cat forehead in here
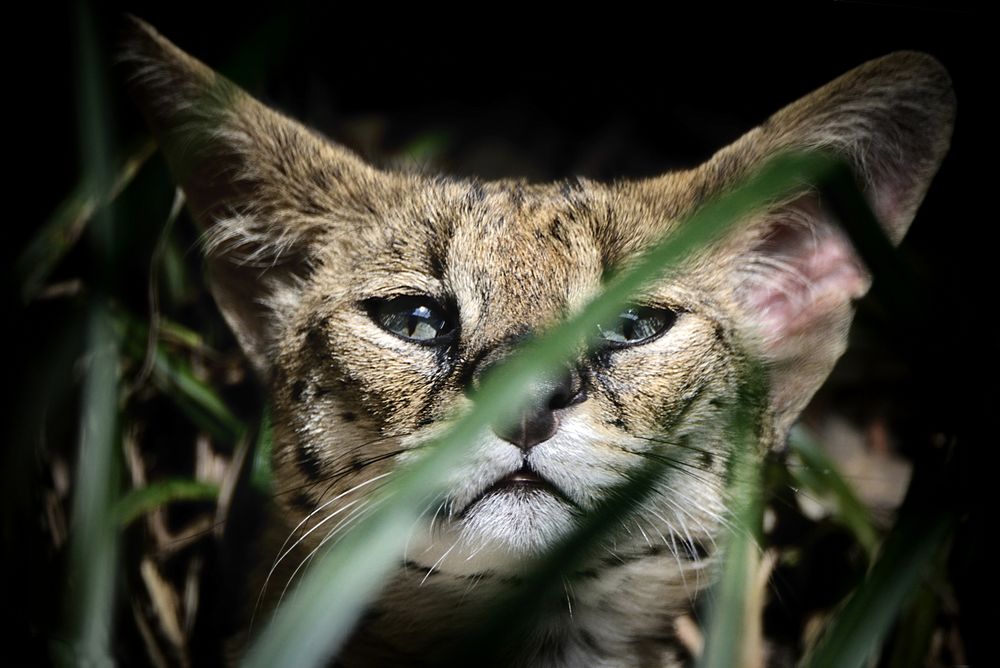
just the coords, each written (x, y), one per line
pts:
(506, 252)
(442, 226)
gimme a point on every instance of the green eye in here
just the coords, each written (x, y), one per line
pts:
(637, 324)
(419, 319)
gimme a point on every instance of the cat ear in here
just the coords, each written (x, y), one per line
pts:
(263, 188)
(792, 274)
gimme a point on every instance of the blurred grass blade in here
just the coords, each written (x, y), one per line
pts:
(916, 628)
(309, 628)
(261, 477)
(734, 633)
(856, 631)
(174, 377)
(93, 550)
(819, 475)
(140, 501)
(197, 398)
(61, 232)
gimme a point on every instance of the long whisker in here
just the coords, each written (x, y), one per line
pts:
(366, 507)
(285, 549)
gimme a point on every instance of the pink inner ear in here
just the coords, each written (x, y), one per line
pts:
(802, 272)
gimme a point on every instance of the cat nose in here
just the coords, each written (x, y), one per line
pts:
(538, 420)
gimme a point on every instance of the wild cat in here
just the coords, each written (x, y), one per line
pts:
(372, 303)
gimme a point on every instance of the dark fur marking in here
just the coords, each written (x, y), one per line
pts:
(613, 397)
(298, 389)
(425, 571)
(485, 575)
(309, 463)
(707, 459)
(303, 502)
(558, 232)
(436, 263)
(348, 416)
(357, 463)
(315, 340)
(475, 195)
(517, 196)
(694, 551)
(588, 639)
(570, 187)
(670, 419)
(618, 560)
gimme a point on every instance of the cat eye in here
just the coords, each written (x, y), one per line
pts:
(637, 324)
(418, 319)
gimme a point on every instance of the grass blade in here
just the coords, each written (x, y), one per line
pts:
(857, 630)
(734, 633)
(173, 376)
(93, 552)
(94, 543)
(140, 501)
(65, 227)
(819, 475)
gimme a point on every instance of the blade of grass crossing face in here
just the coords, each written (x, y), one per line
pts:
(733, 637)
(309, 628)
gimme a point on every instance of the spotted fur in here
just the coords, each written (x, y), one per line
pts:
(300, 232)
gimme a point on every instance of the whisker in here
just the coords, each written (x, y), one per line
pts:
(349, 519)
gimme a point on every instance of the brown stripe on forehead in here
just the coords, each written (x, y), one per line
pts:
(437, 251)
(474, 196)
(314, 342)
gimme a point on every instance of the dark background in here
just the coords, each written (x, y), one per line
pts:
(606, 92)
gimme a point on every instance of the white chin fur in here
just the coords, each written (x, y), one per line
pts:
(499, 533)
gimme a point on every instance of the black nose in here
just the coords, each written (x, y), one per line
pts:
(538, 420)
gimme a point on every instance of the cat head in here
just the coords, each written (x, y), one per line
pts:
(372, 303)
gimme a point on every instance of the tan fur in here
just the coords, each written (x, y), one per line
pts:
(300, 232)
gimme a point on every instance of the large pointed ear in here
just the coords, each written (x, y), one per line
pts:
(264, 189)
(792, 274)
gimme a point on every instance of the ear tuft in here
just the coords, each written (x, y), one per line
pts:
(802, 268)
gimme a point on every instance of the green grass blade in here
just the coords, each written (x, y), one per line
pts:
(309, 628)
(94, 543)
(261, 475)
(819, 475)
(140, 501)
(66, 225)
(733, 635)
(856, 631)
(93, 551)
(197, 398)
(173, 376)
(916, 628)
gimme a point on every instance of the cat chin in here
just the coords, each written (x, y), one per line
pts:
(500, 533)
